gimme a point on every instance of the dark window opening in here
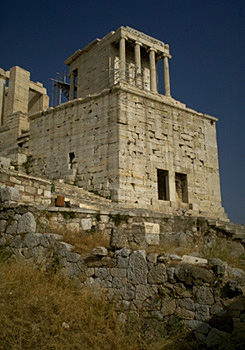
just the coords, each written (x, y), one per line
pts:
(181, 187)
(75, 82)
(162, 185)
(71, 158)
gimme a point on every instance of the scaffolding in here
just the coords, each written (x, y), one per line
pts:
(60, 89)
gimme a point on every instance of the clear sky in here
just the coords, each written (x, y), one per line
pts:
(207, 42)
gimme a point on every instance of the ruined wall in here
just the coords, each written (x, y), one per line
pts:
(207, 297)
(155, 135)
(19, 98)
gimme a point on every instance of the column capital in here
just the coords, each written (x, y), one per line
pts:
(123, 36)
(152, 49)
(164, 54)
(138, 43)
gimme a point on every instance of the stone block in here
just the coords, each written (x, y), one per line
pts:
(86, 223)
(119, 237)
(26, 223)
(30, 189)
(4, 162)
(99, 251)
(168, 307)
(152, 239)
(157, 274)
(9, 194)
(137, 270)
(32, 240)
(193, 260)
(216, 338)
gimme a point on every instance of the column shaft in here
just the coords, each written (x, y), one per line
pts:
(166, 76)
(122, 57)
(2, 90)
(153, 77)
(138, 79)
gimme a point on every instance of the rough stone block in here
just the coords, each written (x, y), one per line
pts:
(193, 260)
(26, 223)
(137, 270)
(9, 194)
(86, 223)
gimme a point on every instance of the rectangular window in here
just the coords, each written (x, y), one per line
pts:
(181, 188)
(75, 82)
(71, 159)
(163, 185)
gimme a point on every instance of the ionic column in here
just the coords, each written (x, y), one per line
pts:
(166, 76)
(153, 76)
(122, 57)
(137, 58)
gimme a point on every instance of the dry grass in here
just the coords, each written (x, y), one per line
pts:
(219, 249)
(40, 311)
(170, 248)
(84, 242)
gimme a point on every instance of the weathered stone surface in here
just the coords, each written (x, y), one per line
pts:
(185, 314)
(203, 295)
(16, 243)
(199, 326)
(124, 252)
(202, 312)
(218, 266)
(86, 223)
(193, 274)
(157, 274)
(12, 227)
(72, 257)
(216, 338)
(143, 292)
(3, 224)
(168, 307)
(26, 223)
(129, 292)
(175, 257)
(137, 270)
(99, 251)
(9, 194)
(32, 240)
(187, 303)
(187, 259)
(119, 237)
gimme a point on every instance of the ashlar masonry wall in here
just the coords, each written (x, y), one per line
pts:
(154, 135)
(78, 140)
(118, 142)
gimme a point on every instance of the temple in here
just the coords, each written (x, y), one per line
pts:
(116, 135)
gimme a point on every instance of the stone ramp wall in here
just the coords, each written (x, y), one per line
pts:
(32, 190)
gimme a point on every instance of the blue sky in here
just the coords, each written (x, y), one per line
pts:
(207, 42)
